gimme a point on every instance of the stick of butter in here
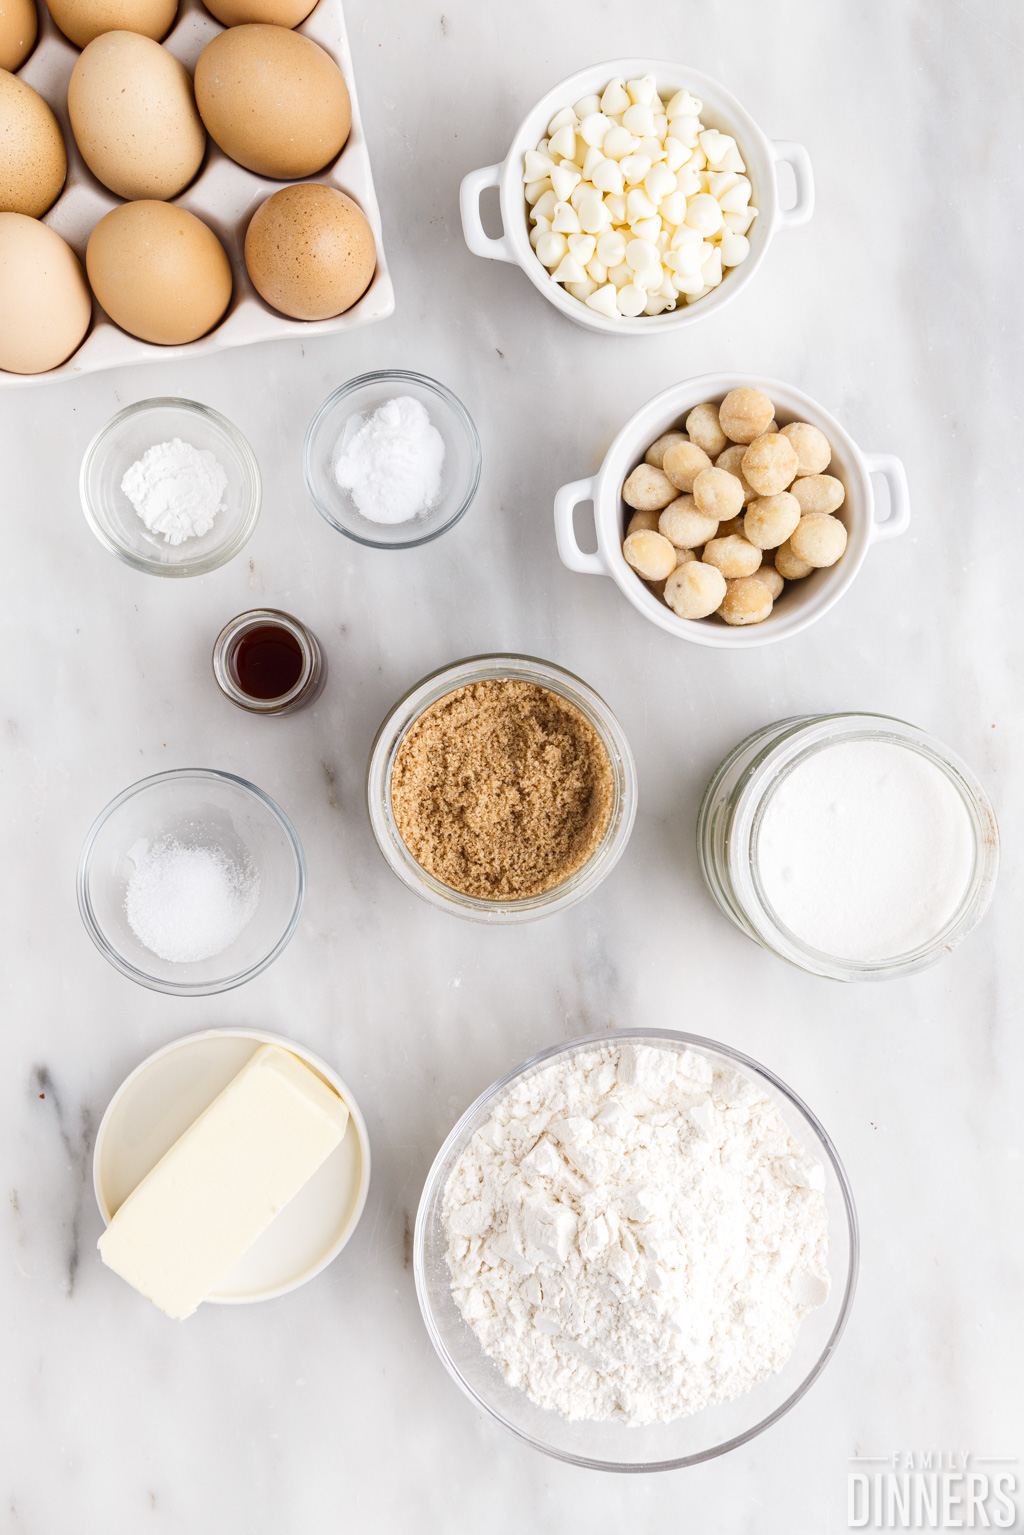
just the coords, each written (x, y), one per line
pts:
(221, 1184)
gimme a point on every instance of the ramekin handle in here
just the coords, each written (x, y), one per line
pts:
(569, 551)
(895, 476)
(796, 157)
(478, 240)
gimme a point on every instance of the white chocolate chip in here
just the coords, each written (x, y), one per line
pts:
(565, 220)
(631, 299)
(615, 98)
(563, 143)
(594, 128)
(604, 301)
(564, 181)
(552, 248)
(619, 142)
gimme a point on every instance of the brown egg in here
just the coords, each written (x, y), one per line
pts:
(19, 25)
(310, 251)
(159, 272)
(32, 158)
(82, 20)
(134, 116)
(273, 101)
(278, 13)
(45, 304)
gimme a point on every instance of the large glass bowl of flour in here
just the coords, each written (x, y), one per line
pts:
(614, 1445)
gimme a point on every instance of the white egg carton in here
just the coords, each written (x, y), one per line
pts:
(223, 195)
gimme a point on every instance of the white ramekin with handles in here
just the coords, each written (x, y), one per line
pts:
(803, 601)
(721, 110)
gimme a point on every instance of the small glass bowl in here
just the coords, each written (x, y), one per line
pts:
(730, 819)
(618, 1446)
(361, 396)
(199, 807)
(115, 521)
(481, 669)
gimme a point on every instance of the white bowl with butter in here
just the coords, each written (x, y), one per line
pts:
(164, 1097)
(761, 155)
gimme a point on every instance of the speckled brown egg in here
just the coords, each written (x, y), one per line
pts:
(273, 101)
(159, 272)
(277, 13)
(19, 26)
(310, 252)
(32, 159)
(45, 304)
(82, 20)
(134, 116)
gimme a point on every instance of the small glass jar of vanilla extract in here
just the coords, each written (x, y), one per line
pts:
(267, 662)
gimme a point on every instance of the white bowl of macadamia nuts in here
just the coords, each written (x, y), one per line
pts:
(637, 196)
(733, 511)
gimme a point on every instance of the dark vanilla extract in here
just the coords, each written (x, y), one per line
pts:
(267, 662)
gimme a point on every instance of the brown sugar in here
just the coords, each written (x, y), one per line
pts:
(502, 789)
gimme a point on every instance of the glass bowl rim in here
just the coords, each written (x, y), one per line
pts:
(448, 398)
(99, 937)
(460, 673)
(245, 457)
(502, 1085)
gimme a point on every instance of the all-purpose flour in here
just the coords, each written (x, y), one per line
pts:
(636, 1235)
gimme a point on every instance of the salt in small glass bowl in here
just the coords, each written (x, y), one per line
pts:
(197, 807)
(117, 524)
(460, 473)
(612, 1446)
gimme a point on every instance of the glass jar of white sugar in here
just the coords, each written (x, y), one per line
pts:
(853, 845)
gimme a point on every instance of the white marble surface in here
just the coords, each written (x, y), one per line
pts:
(898, 308)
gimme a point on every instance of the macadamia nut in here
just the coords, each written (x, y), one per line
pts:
(770, 463)
(695, 590)
(643, 522)
(684, 526)
(732, 462)
(813, 451)
(648, 489)
(733, 556)
(705, 430)
(745, 414)
(747, 601)
(650, 555)
(770, 520)
(718, 493)
(771, 579)
(656, 452)
(788, 565)
(819, 493)
(819, 539)
(682, 463)
(715, 530)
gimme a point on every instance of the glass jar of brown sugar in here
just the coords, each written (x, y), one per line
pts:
(267, 662)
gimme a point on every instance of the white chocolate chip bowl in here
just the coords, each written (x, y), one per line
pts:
(803, 601)
(720, 110)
